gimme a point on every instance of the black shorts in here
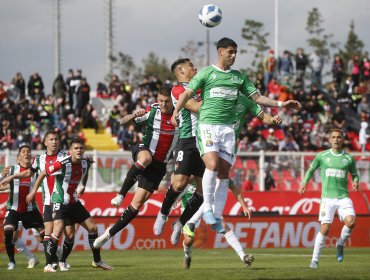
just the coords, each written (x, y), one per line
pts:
(32, 219)
(152, 176)
(72, 214)
(48, 211)
(188, 161)
(138, 148)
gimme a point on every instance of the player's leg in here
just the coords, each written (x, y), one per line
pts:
(143, 159)
(9, 230)
(346, 214)
(234, 242)
(48, 224)
(69, 234)
(188, 251)
(22, 248)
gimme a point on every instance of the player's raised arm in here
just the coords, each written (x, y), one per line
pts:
(183, 99)
(131, 117)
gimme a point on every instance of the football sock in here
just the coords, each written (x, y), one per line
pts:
(22, 248)
(197, 216)
(127, 216)
(220, 197)
(96, 252)
(346, 232)
(319, 244)
(67, 248)
(9, 244)
(187, 251)
(193, 205)
(170, 198)
(233, 241)
(45, 243)
(132, 177)
(208, 184)
(51, 249)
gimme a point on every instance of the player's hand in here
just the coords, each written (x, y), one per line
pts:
(5, 171)
(302, 189)
(276, 120)
(292, 104)
(139, 113)
(175, 118)
(355, 186)
(90, 159)
(6, 181)
(248, 213)
(30, 197)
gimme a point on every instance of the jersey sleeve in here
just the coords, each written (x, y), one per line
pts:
(56, 167)
(353, 170)
(313, 166)
(197, 82)
(248, 88)
(35, 166)
(253, 108)
(177, 91)
(145, 117)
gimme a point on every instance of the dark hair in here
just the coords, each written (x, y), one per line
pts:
(178, 62)
(165, 91)
(226, 42)
(77, 140)
(22, 147)
(49, 132)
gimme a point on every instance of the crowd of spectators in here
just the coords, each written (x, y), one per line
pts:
(27, 112)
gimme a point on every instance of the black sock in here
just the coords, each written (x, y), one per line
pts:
(67, 248)
(132, 177)
(96, 252)
(9, 243)
(45, 243)
(169, 200)
(191, 208)
(127, 216)
(51, 250)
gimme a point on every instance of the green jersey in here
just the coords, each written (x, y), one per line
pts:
(245, 106)
(220, 91)
(334, 168)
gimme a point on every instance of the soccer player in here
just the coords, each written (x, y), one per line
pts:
(188, 161)
(18, 209)
(40, 163)
(220, 87)
(66, 207)
(334, 164)
(159, 140)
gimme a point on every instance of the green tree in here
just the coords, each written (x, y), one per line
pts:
(153, 65)
(124, 64)
(253, 32)
(318, 39)
(353, 45)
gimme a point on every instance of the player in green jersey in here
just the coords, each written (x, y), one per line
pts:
(334, 164)
(220, 86)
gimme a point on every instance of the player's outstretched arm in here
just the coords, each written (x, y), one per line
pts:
(268, 119)
(265, 101)
(31, 196)
(183, 99)
(131, 117)
(239, 197)
(193, 106)
(25, 174)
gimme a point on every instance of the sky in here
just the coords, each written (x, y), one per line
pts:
(159, 26)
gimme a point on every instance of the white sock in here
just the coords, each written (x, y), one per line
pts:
(319, 244)
(208, 184)
(346, 232)
(197, 216)
(187, 251)
(21, 248)
(220, 197)
(233, 241)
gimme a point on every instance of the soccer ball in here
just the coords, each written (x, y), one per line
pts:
(210, 15)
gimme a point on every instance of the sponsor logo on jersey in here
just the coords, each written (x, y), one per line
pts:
(333, 172)
(226, 93)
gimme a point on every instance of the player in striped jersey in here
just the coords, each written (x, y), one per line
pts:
(67, 209)
(159, 141)
(18, 209)
(188, 161)
(334, 164)
(52, 154)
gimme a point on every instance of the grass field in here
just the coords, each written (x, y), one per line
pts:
(206, 264)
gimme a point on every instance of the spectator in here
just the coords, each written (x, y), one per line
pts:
(363, 106)
(259, 83)
(127, 137)
(365, 69)
(354, 69)
(301, 63)
(285, 66)
(272, 141)
(3, 93)
(273, 88)
(102, 90)
(83, 96)
(363, 136)
(269, 64)
(316, 63)
(20, 85)
(339, 120)
(113, 120)
(115, 86)
(338, 71)
(36, 87)
(89, 117)
(59, 89)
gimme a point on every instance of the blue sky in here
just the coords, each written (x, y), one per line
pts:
(161, 26)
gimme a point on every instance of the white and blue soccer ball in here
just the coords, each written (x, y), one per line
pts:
(210, 15)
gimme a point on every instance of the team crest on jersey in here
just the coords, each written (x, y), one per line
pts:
(209, 143)
(214, 76)
(323, 213)
(168, 122)
(236, 79)
(345, 161)
(240, 108)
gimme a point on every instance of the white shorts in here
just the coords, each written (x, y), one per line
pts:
(329, 206)
(217, 138)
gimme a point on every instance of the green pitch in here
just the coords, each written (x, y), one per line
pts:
(206, 264)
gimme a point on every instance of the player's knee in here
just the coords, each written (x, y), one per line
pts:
(179, 184)
(8, 235)
(351, 222)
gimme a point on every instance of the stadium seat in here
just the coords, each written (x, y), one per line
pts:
(251, 164)
(279, 134)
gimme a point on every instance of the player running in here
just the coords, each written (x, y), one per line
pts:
(66, 207)
(334, 164)
(18, 208)
(159, 140)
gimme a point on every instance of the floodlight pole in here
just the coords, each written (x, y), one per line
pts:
(57, 37)
(276, 29)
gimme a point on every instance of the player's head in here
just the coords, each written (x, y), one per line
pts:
(183, 69)
(51, 141)
(164, 100)
(24, 155)
(336, 138)
(227, 49)
(77, 149)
